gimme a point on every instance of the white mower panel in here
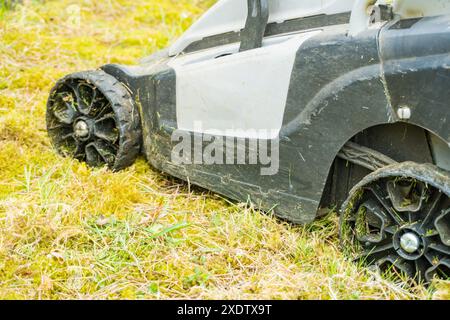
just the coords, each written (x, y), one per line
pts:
(231, 93)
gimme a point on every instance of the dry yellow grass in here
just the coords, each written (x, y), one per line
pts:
(67, 231)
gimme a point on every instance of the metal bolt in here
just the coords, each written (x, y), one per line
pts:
(410, 242)
(404, 113)
(81, 129)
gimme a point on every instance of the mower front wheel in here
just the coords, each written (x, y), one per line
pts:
(91, 117)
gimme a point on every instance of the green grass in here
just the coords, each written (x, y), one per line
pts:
(68, 231)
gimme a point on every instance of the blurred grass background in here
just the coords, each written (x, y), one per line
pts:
(71, 232)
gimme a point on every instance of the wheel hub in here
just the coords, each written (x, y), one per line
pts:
(81, 129)
(410, 242)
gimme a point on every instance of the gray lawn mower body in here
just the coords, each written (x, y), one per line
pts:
(340, 87)
(348, 87)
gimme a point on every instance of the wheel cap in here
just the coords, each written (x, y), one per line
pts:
(81, 129)
(410, 242)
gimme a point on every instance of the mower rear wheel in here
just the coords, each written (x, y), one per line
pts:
(398, 218)
(91, 117)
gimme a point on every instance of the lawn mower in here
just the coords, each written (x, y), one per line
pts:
(297, 107)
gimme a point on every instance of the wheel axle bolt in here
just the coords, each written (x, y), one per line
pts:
(81, 129)
(410, 242)
(404, 113)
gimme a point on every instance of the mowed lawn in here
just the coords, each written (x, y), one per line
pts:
(71, 232)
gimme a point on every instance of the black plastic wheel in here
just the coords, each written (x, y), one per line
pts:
(398, 218)
(91, 117)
